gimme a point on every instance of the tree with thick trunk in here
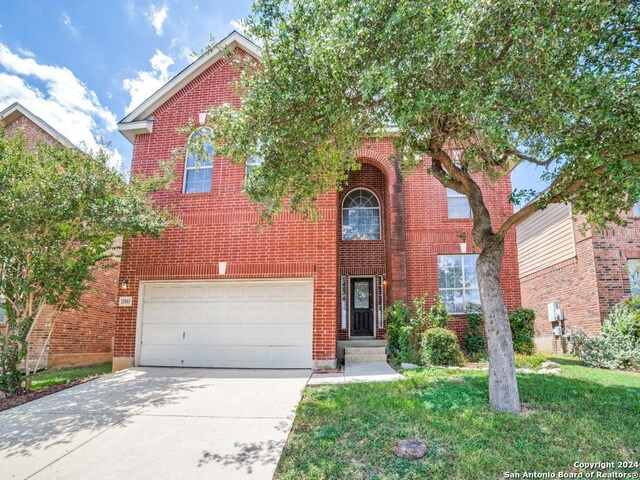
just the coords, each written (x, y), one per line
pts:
(470, 89)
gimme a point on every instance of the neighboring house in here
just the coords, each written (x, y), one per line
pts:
(220, 293)
(585, 272)
(81, 337)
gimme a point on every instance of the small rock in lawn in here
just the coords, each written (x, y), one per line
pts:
(408, 366)
(410, 449)
(550, 371)
(550, 365)
(525, 370)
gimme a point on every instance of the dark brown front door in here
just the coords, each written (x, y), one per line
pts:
(361, 307)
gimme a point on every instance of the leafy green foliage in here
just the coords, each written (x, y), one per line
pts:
(438, 315)
(533, 362)
(551, 83)
(440, 347)
(618, 346)
(522, 329)
(474, 342)
(399, 332)
(61, 211)
(404, 329)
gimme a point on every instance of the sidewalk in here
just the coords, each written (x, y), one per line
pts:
(357, 372)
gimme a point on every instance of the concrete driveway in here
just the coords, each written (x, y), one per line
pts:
(154, 423)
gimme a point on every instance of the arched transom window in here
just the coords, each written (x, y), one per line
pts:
(360, 216)
(199, 162)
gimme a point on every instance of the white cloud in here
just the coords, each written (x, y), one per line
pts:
(156, 17)
(237, 25)
(60, 99)
(188, 54)
(66, 19)
(26, 53)
(145, 83)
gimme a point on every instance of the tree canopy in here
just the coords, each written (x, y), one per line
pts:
(550, 83)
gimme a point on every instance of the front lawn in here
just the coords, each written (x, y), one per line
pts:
(47, 378)
(348, 431)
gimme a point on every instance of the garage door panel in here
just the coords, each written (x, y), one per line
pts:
(228, 357)
(243, 324)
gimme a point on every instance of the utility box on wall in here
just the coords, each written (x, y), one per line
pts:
(554, 312)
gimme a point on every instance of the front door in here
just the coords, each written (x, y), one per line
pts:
(361, 307)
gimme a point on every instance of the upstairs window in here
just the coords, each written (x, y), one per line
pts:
(252, 168)
(360, 216)
(458, 205)
(636, 210)
(199, 162)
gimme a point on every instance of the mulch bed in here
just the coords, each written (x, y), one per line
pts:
(15, 400)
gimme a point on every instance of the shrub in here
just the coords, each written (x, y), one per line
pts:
(534, 362)
(618, 346)
(440, 347)
(474, 342)
(438, 316)
(522, 330)
(577, 342)
(398, 317)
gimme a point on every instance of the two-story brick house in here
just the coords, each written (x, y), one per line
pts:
(73, 337)
(221, 293)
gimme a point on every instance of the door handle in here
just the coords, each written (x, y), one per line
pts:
(183, 335)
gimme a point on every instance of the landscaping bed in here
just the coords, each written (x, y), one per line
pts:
(349, 431)
(46, 382)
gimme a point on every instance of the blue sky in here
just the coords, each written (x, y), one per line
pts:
(82, 65)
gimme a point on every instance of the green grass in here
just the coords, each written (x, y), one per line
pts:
(348, 431)
(47, 378)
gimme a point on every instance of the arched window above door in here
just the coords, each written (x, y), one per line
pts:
(361, 215)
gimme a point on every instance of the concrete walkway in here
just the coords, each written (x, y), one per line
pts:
(358, 372)
(154, 423)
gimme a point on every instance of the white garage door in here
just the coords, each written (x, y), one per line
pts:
(235, 324)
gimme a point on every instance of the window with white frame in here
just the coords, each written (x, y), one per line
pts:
(252, 168)
(634, 276)
(636, 210)
(360, 216)
(458, 205)
(199, 162)
(458, 282)
(380, 300)
(344, 294)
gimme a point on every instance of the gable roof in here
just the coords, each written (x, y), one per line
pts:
(16, 110)
(139, 120)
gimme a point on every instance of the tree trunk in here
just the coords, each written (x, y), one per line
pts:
(503, 386)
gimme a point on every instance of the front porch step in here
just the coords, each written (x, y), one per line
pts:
(364, 358)
(365, 351)
(360, 353)
(374, 350)
(367, 342)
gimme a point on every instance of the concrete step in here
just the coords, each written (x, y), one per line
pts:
(365, 350)
(365, 358)
(362, 343)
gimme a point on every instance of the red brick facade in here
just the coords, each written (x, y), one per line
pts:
(586, 286)
(220, 226)
(81, 337)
